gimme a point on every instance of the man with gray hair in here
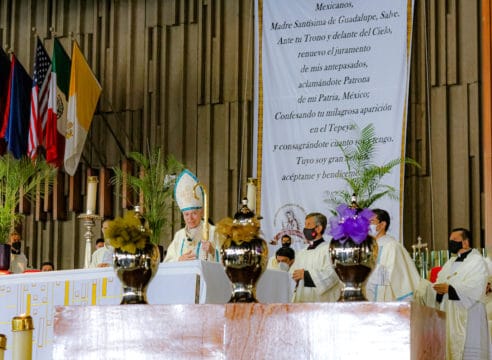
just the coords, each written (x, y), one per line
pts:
(313, 272)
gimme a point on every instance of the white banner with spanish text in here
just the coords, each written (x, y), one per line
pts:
(324, 71)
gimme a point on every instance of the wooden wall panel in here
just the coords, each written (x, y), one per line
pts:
(445, 65)
(237, 185)
(428, 27)
(458, 158)
(477, 225)
(204, 50)
(191, 83)
(440, 19)
(220, 169)
(468, 38)
(451, 43)
(176, 95)
(439, 171)
(203, 166)
(231, 68)
(155, 81)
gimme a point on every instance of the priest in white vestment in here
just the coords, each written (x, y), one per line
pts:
(395, 277)
(460, 292)
(313, 271)
(188, 243)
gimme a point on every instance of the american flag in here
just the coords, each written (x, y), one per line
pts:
(39, 99)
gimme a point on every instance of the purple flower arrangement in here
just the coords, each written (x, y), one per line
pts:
(350, 223)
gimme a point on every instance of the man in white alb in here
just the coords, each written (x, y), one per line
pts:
(313, 272)
(395, 277)
(460, 291)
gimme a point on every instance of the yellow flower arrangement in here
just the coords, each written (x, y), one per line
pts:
(228, 231)
(127, 233)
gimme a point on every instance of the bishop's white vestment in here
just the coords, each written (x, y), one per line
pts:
(182, 243)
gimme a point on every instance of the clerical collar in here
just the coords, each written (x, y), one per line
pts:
(462, 256)
(315, 243)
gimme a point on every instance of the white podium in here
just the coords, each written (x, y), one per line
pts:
(199, 282)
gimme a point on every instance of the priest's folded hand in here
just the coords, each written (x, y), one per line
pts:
(441, 288)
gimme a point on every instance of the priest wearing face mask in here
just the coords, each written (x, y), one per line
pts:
(313, 272)
(460, 292)
(18, 261)
(395, 277)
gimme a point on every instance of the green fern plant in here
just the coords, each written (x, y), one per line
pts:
(155, 183)
(20, 178)
(364, 179)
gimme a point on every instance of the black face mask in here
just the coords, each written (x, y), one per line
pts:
(309, 234)
(286, 244)
(454, 246)
(16, 247)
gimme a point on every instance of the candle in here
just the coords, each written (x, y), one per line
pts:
(3, 345)
(91, 194)
(251, 194)
(22, 327)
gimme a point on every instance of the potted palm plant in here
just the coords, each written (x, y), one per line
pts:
(365, 176)
(18, 178)
(155, 184)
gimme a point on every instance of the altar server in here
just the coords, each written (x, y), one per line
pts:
(188, 242)
(313, 272)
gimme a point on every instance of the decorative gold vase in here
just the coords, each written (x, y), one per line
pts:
(135, 272)
(244, 262)
(353, 264)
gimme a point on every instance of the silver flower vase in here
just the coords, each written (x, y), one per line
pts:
(135, 272)
(353, 264)
(244, 263)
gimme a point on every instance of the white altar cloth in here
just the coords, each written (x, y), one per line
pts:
(175, 283)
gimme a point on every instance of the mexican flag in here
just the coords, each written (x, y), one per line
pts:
(54, 139)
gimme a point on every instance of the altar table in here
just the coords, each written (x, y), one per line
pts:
(357, 330)
(191, 282)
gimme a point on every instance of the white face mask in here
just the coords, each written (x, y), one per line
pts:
(372, 230)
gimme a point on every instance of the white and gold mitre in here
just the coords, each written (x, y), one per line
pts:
(184, 194)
